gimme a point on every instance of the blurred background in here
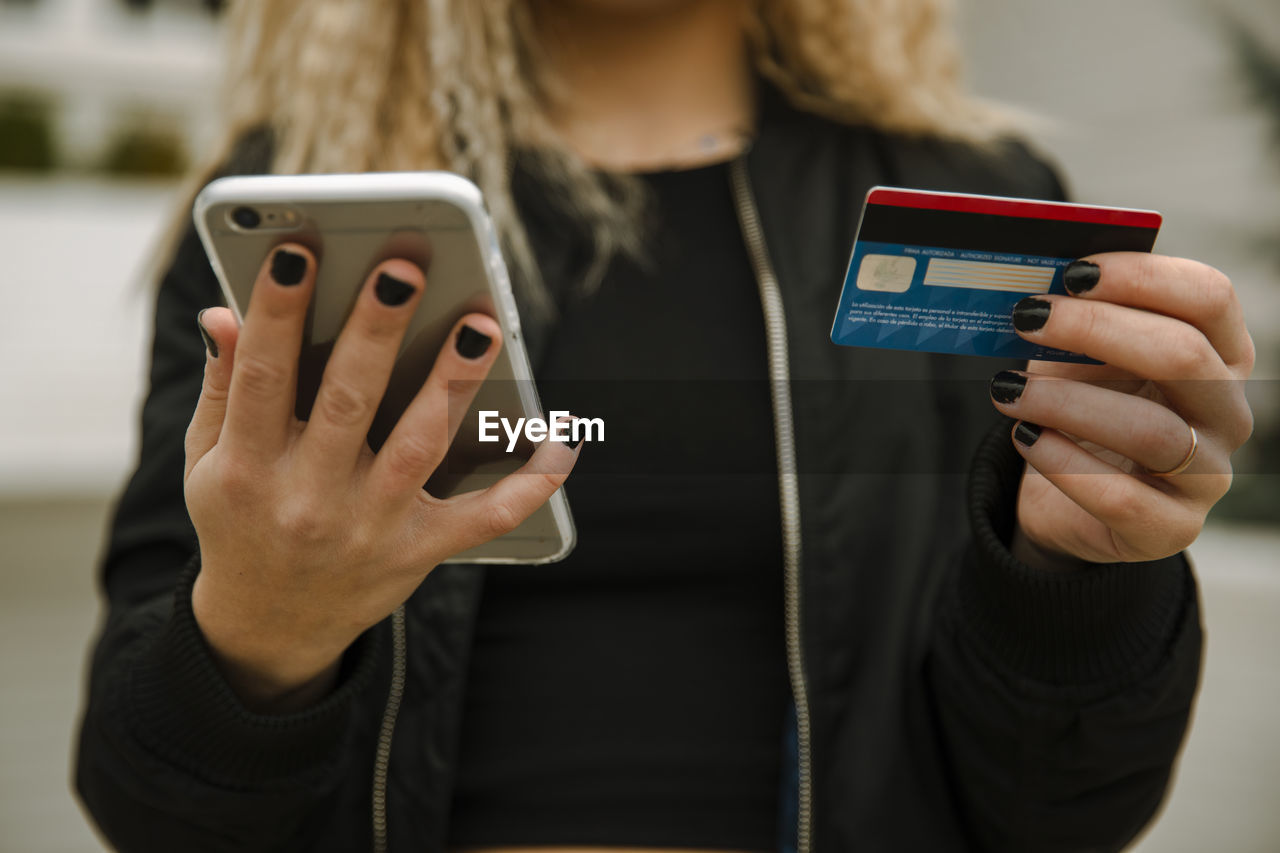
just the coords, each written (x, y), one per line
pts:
(1165, 104)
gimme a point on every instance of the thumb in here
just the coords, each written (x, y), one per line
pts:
(220, 331)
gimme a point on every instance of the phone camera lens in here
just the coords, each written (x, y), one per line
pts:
(246, 217)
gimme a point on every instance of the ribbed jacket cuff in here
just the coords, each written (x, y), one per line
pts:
(1107, 622)
(184, 711)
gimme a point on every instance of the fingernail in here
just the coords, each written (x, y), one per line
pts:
(287, 267)
(391, 290)
(1026, 433)
(472, 344)
(1007, 386)
(209, 343)
(1080, 277)
(1030, 314)
(570, 442)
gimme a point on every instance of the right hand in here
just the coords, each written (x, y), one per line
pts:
(308, 538)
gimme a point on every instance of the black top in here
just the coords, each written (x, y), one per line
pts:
(634, 693)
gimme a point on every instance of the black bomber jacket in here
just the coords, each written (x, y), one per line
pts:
(958, 700)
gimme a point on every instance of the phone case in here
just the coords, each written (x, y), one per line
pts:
(352, 223)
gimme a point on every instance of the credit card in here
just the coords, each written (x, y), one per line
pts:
(941, 272)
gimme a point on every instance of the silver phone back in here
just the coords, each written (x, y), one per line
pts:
(354, 222)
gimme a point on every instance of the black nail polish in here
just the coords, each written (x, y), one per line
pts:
(1031, 314)
(391, 290)
(1026, 433)
(287, 267)
(567, 423)
(472, 344)
(1007, 386)
(1080, 277)
(209, 343)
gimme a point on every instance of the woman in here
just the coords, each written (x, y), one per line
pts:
(1000, 661)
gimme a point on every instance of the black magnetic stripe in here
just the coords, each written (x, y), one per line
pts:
(991, 233)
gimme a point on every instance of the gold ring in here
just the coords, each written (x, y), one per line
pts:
(1186, 460)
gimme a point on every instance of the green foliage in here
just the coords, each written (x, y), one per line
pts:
(26, 133)
(139, 152)
(1260, 69)
(1253, 498)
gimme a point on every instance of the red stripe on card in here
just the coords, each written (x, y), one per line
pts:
(1060, 211)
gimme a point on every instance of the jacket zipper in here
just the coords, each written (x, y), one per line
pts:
(382, 760)
(775, 322)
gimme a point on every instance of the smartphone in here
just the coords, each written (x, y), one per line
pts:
(352, 223)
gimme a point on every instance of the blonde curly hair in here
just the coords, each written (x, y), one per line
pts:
(388, 85)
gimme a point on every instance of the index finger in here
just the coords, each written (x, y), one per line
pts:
(1188, 290)
(264, 377)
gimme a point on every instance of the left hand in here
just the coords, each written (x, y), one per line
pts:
(1172, 334)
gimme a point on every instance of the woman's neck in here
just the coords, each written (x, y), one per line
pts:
(648, 85)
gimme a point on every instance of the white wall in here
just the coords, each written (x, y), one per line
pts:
(75, 326)
(101, 64)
